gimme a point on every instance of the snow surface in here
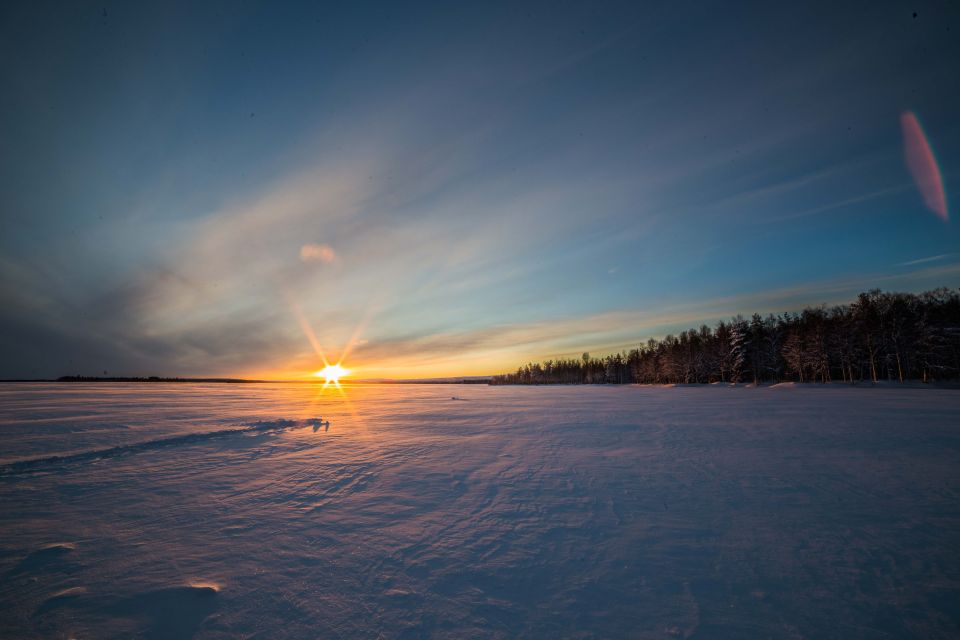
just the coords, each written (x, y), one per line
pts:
(231, 511)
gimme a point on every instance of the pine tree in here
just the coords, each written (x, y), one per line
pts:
(739, 343)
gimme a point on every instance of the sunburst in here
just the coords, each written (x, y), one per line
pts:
(332, 373)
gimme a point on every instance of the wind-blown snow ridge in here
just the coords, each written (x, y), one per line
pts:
(22, 466)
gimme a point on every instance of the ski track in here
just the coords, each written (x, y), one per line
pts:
(536, 512)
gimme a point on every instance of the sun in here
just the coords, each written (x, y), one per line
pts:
(332, 373)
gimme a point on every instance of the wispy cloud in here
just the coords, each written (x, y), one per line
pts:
(938, 258)
(843, 202)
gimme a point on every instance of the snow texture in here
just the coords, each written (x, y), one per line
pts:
(411, 511)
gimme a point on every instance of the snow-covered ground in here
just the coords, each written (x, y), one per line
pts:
(228, 511)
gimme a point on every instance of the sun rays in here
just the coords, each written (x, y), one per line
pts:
(331, 372)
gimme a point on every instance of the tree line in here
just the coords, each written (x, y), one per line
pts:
(880, 336)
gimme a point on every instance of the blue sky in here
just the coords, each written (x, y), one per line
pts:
(444, 189)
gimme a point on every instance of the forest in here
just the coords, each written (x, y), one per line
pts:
(880, 336)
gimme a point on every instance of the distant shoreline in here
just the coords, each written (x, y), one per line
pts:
(891, 384)
(158, 379)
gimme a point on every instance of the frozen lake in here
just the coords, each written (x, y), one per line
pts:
(226, 511)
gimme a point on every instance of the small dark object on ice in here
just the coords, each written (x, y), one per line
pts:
(317, 423)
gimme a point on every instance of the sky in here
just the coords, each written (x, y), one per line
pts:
(443, 189)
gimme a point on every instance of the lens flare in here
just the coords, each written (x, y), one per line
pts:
(923, 165)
